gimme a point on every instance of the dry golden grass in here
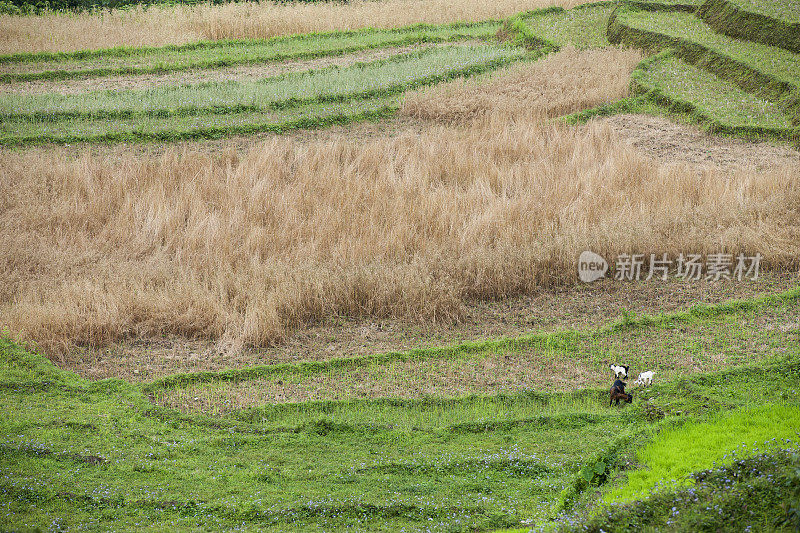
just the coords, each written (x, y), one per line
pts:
(241, 248)
(157, 26)
(565, 83)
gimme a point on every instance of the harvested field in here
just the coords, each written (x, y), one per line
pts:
(570, 307)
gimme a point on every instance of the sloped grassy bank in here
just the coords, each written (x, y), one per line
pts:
(720, 105)
(742, 21)
(756, 493)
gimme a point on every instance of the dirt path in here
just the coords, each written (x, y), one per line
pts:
(668, 142)
(190, 77)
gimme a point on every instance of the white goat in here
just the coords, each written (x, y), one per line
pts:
(645, 378)
(619, 371)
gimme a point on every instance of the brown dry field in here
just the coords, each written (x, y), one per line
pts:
(668, 142)
(204, 256)
(159, 26)
(567, 82)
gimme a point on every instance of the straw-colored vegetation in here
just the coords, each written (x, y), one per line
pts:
(565, 83)
(239, 248)
(156, 26)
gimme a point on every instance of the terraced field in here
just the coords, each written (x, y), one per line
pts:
(215, 108)
(771, 23)
(722, 67)
(328, 279)
(162, 93)
(306, 98)
(80, 454)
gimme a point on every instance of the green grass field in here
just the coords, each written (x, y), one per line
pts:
(672, 82)
(582, 28)
(361, 80)
(676, 453)
(81, 453)
(733, 86)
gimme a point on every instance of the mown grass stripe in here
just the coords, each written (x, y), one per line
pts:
(123, 51)
(221, 63)
(235, 108)
(206, 132)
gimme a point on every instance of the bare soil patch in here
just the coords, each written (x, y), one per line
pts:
(581, 306)
(668, 142)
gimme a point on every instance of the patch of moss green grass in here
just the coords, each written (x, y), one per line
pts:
(583, 27)
(756, 493)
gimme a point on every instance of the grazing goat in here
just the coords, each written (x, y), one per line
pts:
(618, 393)
(619, 371)
(645, 378)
